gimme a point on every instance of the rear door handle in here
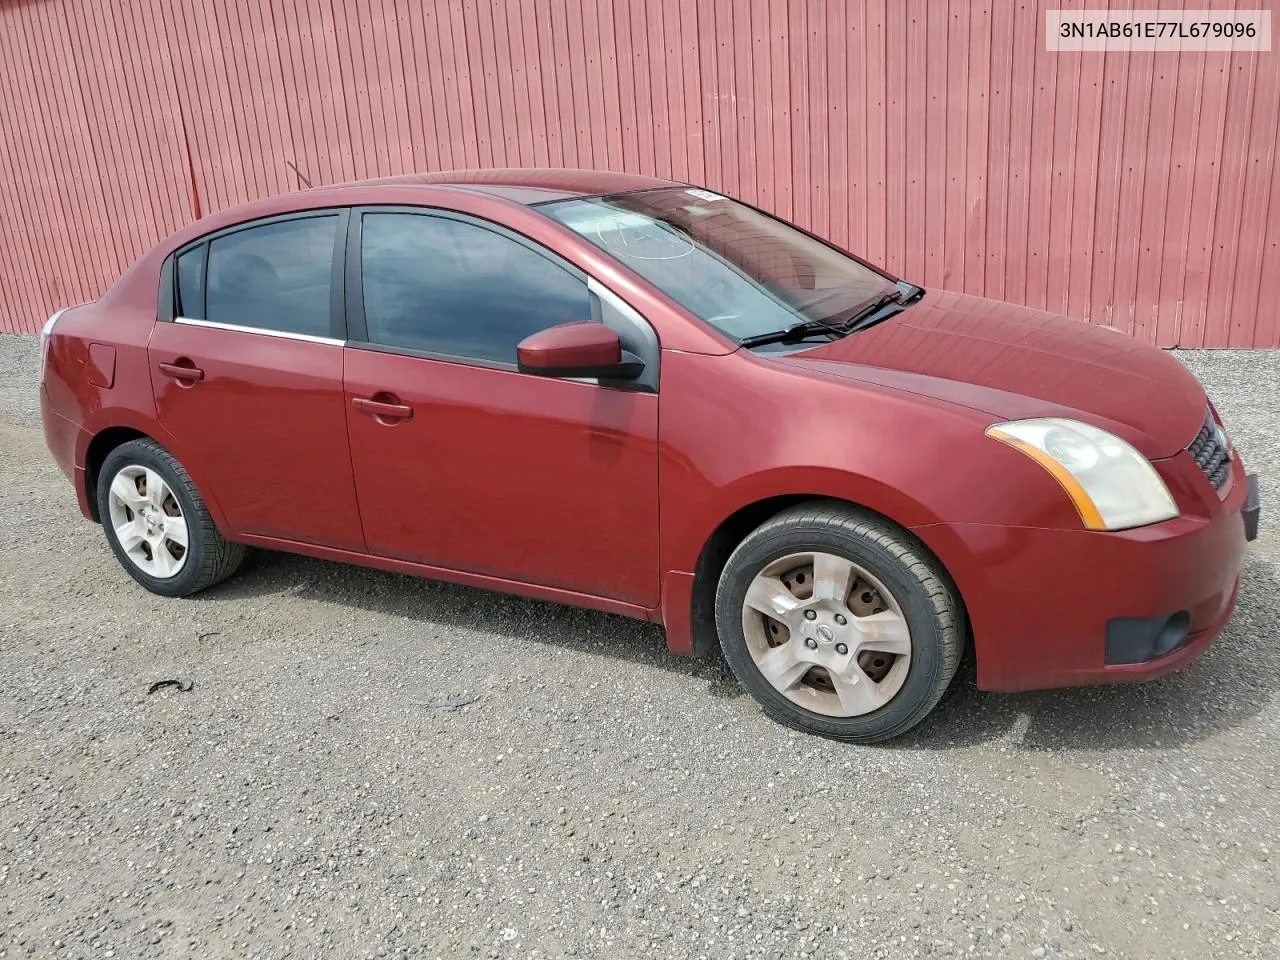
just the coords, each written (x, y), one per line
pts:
(187, 372)
(382, 409)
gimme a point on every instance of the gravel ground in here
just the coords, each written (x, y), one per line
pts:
(323, 792)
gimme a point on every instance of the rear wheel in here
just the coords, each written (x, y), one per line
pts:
(157, 523)
(839, 623)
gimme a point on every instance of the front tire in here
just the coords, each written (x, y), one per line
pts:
(839, 623)
(157, 523)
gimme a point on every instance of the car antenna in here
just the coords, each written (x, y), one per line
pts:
(301, 175)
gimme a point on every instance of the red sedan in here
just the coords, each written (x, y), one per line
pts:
(650, 399)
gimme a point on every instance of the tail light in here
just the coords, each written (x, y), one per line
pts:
(45, 334)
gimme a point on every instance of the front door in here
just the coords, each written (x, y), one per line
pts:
(464, 463)
(248, 378)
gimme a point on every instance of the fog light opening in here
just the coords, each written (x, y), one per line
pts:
(1142, 639)
(1171, 634)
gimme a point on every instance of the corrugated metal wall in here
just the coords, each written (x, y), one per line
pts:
(935, 137)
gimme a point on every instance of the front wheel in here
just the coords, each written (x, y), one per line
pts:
(157, 523)
(839, 623)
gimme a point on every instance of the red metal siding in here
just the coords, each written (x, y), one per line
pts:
(934, 136)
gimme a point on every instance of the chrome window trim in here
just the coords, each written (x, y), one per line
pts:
(261, 331)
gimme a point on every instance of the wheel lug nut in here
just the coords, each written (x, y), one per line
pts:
(810, 615)
(811, 643)
(841, 649)
(840, 619)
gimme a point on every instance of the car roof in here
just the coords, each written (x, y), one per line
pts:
(528, 185)
(522, 186)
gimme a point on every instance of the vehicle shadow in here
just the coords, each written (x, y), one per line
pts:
(1228, 685)
(266, 574)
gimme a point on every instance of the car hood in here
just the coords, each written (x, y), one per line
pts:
(1014, 362)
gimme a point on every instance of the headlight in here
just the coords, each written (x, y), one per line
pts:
(1113, 486)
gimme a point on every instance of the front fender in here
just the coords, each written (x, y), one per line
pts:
(800, 482)
(738, 431)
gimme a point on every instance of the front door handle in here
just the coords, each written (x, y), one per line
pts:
(382, 409)
(186, 371)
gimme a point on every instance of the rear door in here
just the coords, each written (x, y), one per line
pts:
(461, 461)
(248, 376)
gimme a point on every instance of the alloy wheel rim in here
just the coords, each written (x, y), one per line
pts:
(827, 634)
(148, 521)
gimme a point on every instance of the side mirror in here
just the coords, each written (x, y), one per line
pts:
(580, 349)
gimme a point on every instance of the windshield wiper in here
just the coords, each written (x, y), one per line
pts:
(882, 308)
(869, 315)
(794, 333)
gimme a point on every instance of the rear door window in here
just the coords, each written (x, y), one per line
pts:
(276, 276)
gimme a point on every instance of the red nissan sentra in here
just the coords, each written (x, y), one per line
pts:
(650, 399)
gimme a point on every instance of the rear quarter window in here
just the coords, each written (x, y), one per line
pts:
(191, 283)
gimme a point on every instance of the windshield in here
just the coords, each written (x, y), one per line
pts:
(740, 270)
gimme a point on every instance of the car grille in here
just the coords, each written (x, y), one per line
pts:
(1211, 453)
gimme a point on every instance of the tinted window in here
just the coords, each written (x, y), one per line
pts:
(275, 276)
(191, 283)
(458, 289)
(736, 268)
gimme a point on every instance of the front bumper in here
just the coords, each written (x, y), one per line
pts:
(1040, 601)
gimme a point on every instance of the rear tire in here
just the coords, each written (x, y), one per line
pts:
(157, 523)
(839, 622)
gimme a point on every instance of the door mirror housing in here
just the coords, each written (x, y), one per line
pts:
(579, 349)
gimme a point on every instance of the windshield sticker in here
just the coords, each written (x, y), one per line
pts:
(639, 238)
(704, 194)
